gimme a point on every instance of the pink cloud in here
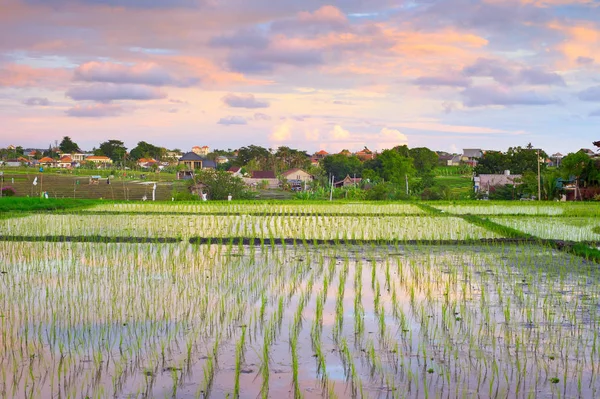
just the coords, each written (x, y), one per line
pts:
(95, 111)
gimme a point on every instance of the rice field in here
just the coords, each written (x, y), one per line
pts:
(299, 227)
(572, 209)
(358, 208)
(408, 316)
(564, 228)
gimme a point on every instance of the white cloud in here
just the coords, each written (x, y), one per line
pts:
(389, 138)
(282, 132)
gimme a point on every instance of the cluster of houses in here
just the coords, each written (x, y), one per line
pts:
(65, 161)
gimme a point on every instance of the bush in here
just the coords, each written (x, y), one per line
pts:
(8, 191)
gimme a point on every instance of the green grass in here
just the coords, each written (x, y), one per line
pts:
(22, 205)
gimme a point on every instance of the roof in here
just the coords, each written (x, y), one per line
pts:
(292, 171)
(497, 180)
(263, 174)
(472, 152)
(191, 156)
(322, 152)
(46, 160)
(66, 159)
(207, 163)
(146, 160)
(557, 155)
(97, 158)
(234, 169)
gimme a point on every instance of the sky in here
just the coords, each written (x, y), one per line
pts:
(333, 75)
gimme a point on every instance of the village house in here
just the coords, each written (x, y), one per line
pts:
(16, 162)
(262, 177)
(471, 156)
(221, 159)
(99, 160)
(65, 162)
(365, 154)
(320, 154)
(235, 171)
(484, 182)
(146, 162)
(192, 161)
(48, 162)
(202, 151)
(297, 174)
(348, 181)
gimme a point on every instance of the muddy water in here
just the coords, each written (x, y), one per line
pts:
(141, 320)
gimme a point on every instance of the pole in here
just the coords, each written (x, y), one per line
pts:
(539, 177)
(406, 178)
(331, 192)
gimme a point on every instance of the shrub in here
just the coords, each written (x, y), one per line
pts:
(8, 191)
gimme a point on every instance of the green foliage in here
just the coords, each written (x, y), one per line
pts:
(114, 149)
(517, 159)
(24, 204)
(146, 150)
(424, 160)
(340, 166)
(68, 146)
(385, 192)
(392, 166)
(221, 184)
(8, 191)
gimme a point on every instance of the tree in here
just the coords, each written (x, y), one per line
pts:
(391, 165)
(574, 164)
(114, 149)
(424, 160)
(522, 160)
(68, 146)
(492, 162)
(340, 166)
(220, 184)
(146, 150)
(253, 152)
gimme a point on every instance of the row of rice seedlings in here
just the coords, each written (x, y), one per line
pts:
(500, 209)
(268, 227)
(260, 208)
(566, 228)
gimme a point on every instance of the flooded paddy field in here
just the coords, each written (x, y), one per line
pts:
(190, 321)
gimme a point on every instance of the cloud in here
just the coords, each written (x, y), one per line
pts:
(107, 92)
(591, 94)
(94, 111)
(584, 60)
(261, 117)
(17, 75)
(282, 132)
(241, 39)
(143, 73)
(150, 4)
(268, 59)
(232, 120)
(595, 113)
(493, 95)
(440, 80)
(511, 74)
(339, 133)
(36, 101)
(325, 19)
(244, 101)
(389, 138)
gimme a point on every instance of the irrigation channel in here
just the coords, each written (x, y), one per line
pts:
(181, 320)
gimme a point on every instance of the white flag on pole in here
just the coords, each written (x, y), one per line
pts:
(35, 181)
